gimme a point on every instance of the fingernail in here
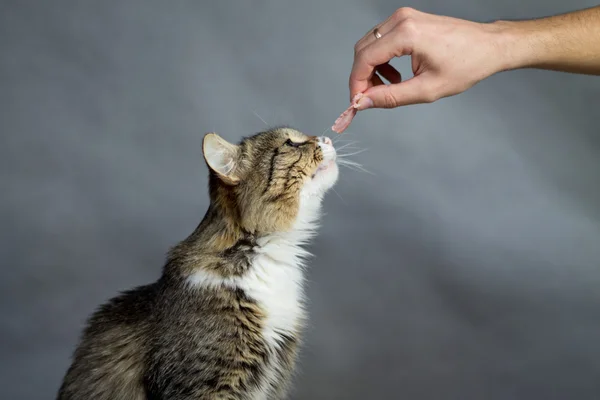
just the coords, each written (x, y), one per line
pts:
(364, 103)
(356, 98)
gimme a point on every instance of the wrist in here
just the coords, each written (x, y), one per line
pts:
(518, 44)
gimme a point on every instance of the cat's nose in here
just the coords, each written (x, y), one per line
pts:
(326, 140)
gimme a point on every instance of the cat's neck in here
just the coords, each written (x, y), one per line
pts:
(219, 236)
(218, 231)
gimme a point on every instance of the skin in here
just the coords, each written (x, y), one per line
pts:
(451, 55)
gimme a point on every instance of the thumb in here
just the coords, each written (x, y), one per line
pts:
(412, 91)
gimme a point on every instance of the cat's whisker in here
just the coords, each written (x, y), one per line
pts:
(360, 170)
(259, 117)
(351, 148)
(353, 165)
(338, 137)
(343, 141)
(342, 158)
(352, 154)
(346, 145)
(338, 195)
(347, 162)
(335, 139)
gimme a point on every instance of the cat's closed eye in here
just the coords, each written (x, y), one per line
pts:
(290, 142)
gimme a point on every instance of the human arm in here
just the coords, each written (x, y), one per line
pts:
(450, 55)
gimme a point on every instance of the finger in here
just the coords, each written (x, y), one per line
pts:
(386, 26)
(383, 27)
(375, 81)
(389, 73)
(415, 90)
(379, 52)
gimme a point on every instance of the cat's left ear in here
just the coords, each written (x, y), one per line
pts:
(221, 157)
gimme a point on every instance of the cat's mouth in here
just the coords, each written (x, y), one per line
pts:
(324, 167)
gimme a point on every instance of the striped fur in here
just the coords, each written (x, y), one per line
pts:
(224, 321)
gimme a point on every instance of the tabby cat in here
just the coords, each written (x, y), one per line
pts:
(224, 320)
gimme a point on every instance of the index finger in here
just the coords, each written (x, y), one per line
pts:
(379, 52)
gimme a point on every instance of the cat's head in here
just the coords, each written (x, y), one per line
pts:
(265, 181)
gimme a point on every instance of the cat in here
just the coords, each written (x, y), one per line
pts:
(225, 318)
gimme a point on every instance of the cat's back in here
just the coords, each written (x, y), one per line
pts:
(109, 361)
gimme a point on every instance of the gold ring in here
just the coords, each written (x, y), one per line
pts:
(376, 33)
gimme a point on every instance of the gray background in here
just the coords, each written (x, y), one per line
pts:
(465, 267)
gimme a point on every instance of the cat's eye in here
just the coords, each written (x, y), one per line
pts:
(290, 142)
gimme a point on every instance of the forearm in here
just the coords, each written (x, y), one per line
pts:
(568, 43)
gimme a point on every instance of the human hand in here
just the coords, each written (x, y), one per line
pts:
(448, 55)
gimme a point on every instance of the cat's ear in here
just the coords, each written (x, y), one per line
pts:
(221, 157)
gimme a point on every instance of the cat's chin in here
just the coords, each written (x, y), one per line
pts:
(323, 179)
(323, 168)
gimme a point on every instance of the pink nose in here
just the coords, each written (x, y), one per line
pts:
(326, 140)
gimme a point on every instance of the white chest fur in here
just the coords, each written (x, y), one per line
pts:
(275, 280)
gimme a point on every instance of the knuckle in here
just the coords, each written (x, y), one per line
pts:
(361, 56)
(389, 100)
(408, 27)
(402, 13)
(429, 95)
